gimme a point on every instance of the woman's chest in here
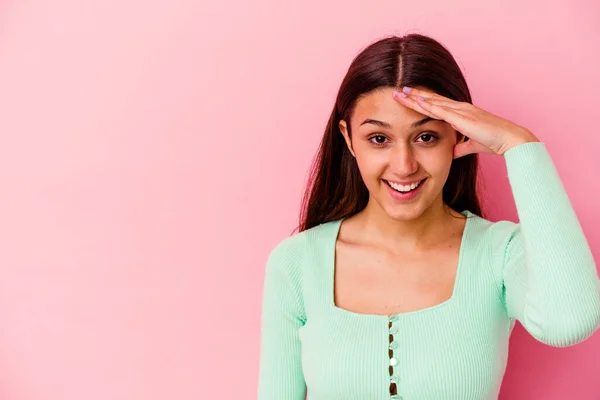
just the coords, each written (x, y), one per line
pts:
(439, 354)
(372, 282)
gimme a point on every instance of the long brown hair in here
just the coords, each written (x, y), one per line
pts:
(335, 187)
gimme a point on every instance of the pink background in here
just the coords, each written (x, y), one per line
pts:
(154, 152)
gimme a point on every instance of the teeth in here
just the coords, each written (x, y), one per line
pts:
(402, 188)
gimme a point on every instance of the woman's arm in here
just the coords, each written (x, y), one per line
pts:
(550, 280)
(280, 370)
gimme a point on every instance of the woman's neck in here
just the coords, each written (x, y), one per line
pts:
(382, 230)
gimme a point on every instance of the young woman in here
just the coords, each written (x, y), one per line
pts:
(396, 286)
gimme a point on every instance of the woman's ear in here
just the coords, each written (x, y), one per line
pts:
(460, 138)
(344, 130)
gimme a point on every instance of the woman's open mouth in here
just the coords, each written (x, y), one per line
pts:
(401, 192)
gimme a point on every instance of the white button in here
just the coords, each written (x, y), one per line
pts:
(393, 362)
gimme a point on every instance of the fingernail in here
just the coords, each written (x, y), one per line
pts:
(396, 93)
(421, 98)
(406, 89)
(404, 95)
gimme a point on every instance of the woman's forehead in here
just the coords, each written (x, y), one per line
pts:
(380, 105)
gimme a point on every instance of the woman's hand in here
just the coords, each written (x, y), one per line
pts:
(487, 132)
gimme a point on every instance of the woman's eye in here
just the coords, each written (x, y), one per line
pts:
(380, 142)
(428, 138)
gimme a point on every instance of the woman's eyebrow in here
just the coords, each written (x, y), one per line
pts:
(421, 122)
(388, 126)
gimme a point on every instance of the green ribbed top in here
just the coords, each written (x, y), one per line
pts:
(539, 271)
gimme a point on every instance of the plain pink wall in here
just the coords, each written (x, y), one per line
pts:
(153, 153)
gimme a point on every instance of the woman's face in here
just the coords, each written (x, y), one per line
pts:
(394, 143)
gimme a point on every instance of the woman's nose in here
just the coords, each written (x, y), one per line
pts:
(403, 160)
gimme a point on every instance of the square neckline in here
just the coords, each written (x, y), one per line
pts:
(450, 300)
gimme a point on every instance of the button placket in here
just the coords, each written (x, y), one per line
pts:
(393, 357)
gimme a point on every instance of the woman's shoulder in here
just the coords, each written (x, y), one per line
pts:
(496, 233)
(294, 246)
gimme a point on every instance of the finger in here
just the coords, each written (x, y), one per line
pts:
(445, 103)
(462, 149)
(452, 116)
(424, 107)
(410, 102)
(470, 147)
(432, 95)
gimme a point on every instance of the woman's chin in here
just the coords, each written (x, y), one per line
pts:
(405, 212)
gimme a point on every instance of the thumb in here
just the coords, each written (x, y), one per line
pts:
(470, 147)
(462, 149)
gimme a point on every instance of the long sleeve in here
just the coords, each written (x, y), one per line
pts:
(280, 370)
(550, 279)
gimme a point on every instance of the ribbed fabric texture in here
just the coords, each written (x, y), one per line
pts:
(539, 271)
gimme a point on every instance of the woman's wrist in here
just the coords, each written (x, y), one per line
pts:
(526, 137)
